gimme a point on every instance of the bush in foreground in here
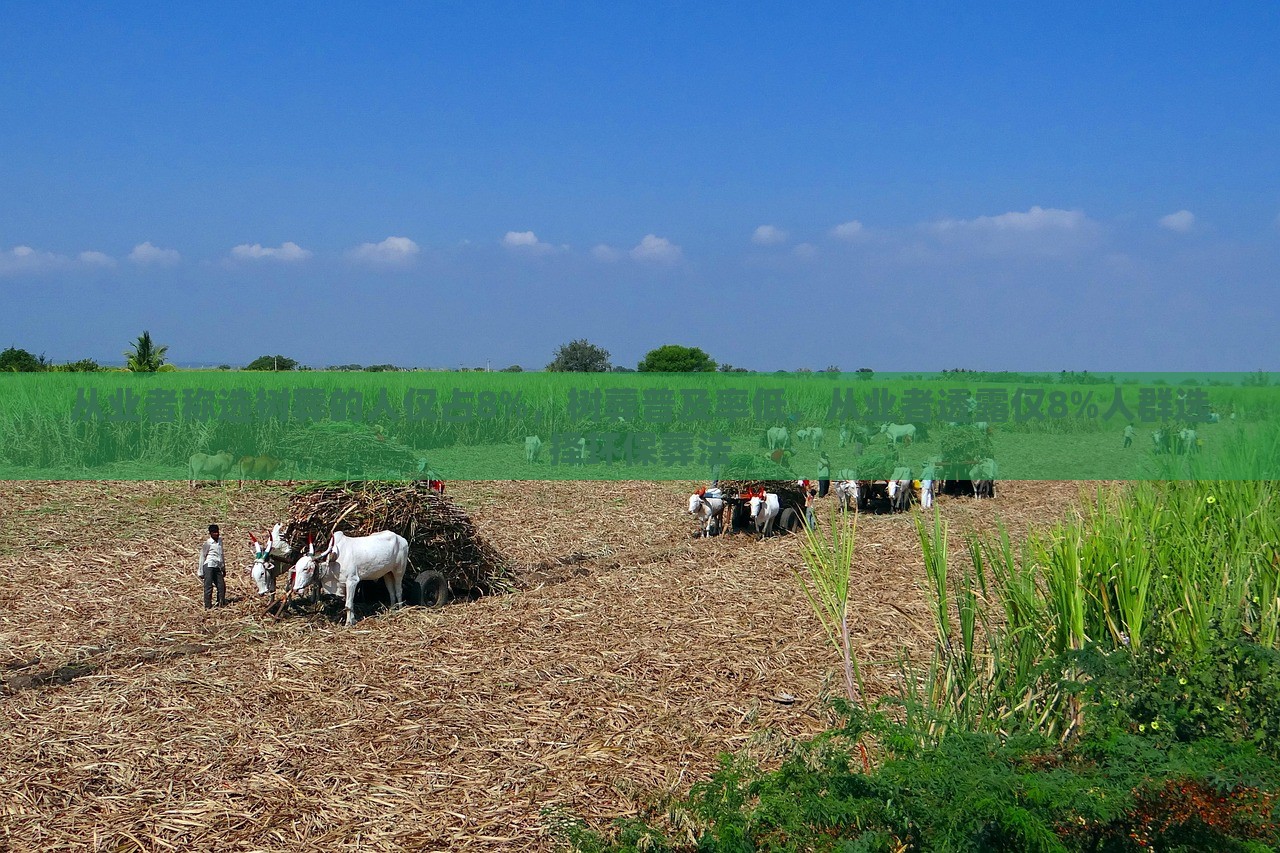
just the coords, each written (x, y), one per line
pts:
(1161, 765)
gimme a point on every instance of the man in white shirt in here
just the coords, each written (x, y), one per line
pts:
(212, 569)
(927, 476)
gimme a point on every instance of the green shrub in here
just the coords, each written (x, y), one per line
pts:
(1122, 786)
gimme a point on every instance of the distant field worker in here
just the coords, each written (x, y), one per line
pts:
(213, 570)
(824, 474)
(1129, 433)
(927, 476)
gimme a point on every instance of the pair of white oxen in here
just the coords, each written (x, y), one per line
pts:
(707, 505)
(899, 488)
(340, 568)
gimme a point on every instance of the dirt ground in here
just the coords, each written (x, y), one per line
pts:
(630, 656)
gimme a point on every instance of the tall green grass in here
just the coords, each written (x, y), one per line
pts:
(1165, 565)
(828, 563)
(40, 434)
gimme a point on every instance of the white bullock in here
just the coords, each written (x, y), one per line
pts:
(277, 546)
(216, 465)
(262, 574)
(900, 489)
(777, 437)
(1162, 441)
(708, 507)
(764, 512)
(265, 556)
(812, 436)
(352, 559)
(983, 476)
(899, 431)
(532, 447)
(847, 494)
(1187, 441)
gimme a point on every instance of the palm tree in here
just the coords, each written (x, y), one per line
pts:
(143, 356)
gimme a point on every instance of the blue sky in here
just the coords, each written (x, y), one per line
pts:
(1023, 186)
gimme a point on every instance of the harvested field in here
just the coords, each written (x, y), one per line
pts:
(628, 657)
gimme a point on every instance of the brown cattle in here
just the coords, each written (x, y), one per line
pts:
(217, 465)
(258, 467)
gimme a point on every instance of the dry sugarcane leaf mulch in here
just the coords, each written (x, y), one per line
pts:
(417, 729)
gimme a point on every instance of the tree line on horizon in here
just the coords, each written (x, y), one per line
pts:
(144, 355)
(578, 356)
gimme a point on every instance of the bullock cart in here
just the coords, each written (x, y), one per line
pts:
(875, 491)
(956, 479)
(880, 495)
(448, 558)
(963, 447)
(790, 499)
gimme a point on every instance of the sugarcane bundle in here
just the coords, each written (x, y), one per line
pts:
(441, 535)
(877, 463)
(788, 491)
(965, 444)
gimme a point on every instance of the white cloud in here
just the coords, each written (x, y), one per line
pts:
(515, 239)
(285, 252)
(24, 259)
(1182, 221)
(148, 254)
(769, 235)
(805, 250)
(605, 253)
(527, 241)
(97, 259)
(1043, 231)
(847, 230)
(657, 249)
(391, 252)
(1035, 219)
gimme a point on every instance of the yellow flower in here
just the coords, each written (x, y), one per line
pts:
(1211, 499)
(1182, 681)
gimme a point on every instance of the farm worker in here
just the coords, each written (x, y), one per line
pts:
(809, 495)
(212, 569)
(1129, 433)
(824, 474)
(927, 475)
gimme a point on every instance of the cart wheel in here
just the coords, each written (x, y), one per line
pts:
(432, 589)
(789, 522)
